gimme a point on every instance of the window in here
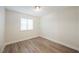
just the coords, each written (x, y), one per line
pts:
(26, 24)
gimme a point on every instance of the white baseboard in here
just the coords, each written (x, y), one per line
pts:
(60, 42)
(7, 43)
(46, 38)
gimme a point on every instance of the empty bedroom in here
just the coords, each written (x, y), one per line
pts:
(39, 29)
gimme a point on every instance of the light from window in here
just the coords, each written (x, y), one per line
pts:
(26, 24)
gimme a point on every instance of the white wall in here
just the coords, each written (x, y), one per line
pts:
(2, 30)
(13, 33)
(61, 26)
(78, 21)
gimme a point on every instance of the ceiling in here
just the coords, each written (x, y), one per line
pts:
(31, 11)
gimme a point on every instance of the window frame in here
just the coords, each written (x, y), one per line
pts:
(27, 25)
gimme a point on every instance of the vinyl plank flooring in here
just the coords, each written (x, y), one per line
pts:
(37, 45)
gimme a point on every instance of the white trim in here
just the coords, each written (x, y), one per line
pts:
(60, 42)
(20, 40)
(46, 38)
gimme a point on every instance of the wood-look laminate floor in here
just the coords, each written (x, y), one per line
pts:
(37, 45)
